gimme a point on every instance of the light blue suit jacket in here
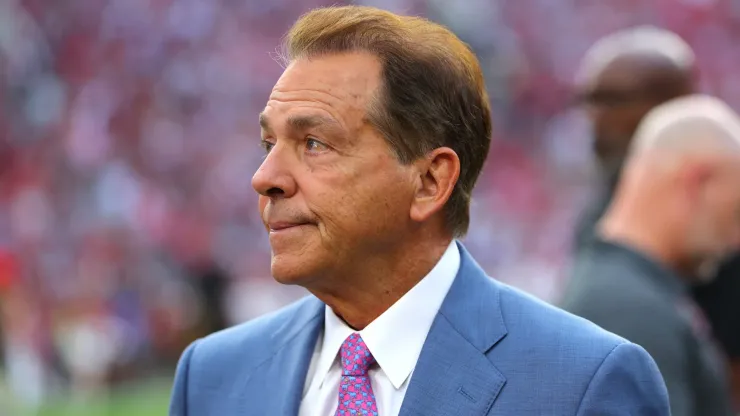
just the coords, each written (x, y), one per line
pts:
(491, 350)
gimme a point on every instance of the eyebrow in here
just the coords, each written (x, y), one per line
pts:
(302, 122)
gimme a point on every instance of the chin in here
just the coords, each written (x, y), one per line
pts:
(293, 269)
(707, 271)
(296, 255)
(609, 166)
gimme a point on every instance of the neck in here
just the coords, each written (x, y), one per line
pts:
(638, 231)
(644, 213)
(364, 293)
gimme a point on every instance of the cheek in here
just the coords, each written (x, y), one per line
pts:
(364, 200)
(262, 203)
(384, 199)
(726, 221)
(623, 121)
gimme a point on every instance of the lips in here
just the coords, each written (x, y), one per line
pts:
(281, 226)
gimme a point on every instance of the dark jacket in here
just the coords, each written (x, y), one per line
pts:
(632, 296)
(718, 299)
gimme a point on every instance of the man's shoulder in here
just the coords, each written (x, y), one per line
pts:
(517, 320)
(261, 336)
(600, 288)
(604, 280)
(564, 357)
(529, 319)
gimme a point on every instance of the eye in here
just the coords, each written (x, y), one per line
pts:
(315, 146)
(267, 146)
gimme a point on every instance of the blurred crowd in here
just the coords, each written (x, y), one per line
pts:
(128, 138)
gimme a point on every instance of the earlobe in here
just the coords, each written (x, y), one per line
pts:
(438, 174)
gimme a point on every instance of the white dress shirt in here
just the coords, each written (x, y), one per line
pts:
(395, 339)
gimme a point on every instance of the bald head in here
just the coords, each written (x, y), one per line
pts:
(680, 189)
(625, 75)
(694, 123)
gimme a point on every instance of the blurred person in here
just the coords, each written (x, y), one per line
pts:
(26, 370)
(674, 216)
(89, 342)
(192, 252)
(622, 77)
(8, 279)
(30, 362)
(212, 282)
(375, 135)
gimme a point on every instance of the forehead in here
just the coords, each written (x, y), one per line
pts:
(339, 84)
(622, 74)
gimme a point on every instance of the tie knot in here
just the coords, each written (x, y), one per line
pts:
(355, 356)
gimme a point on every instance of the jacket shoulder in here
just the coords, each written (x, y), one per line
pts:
(259, 338)
(551, 356)
(531, 320)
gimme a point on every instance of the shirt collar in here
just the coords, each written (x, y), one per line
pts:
(397, 336)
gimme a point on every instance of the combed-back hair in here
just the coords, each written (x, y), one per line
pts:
(433, 92)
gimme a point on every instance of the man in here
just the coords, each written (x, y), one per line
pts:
(375, 135)
(622, 77)
(675, 215)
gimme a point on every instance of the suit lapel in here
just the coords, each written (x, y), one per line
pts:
(275, 387)
(453, 375)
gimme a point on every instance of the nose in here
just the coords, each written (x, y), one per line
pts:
(273, 178)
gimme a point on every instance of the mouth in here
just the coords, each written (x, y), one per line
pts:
(277, 227)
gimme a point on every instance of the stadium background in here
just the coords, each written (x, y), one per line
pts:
(128, 138)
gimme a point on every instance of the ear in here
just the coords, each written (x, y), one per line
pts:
(438, 174)
(695, 175)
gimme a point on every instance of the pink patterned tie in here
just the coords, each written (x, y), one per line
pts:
(356, 397)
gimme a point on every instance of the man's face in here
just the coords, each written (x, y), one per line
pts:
(615, 103)
(331, 189)
(714, 233)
